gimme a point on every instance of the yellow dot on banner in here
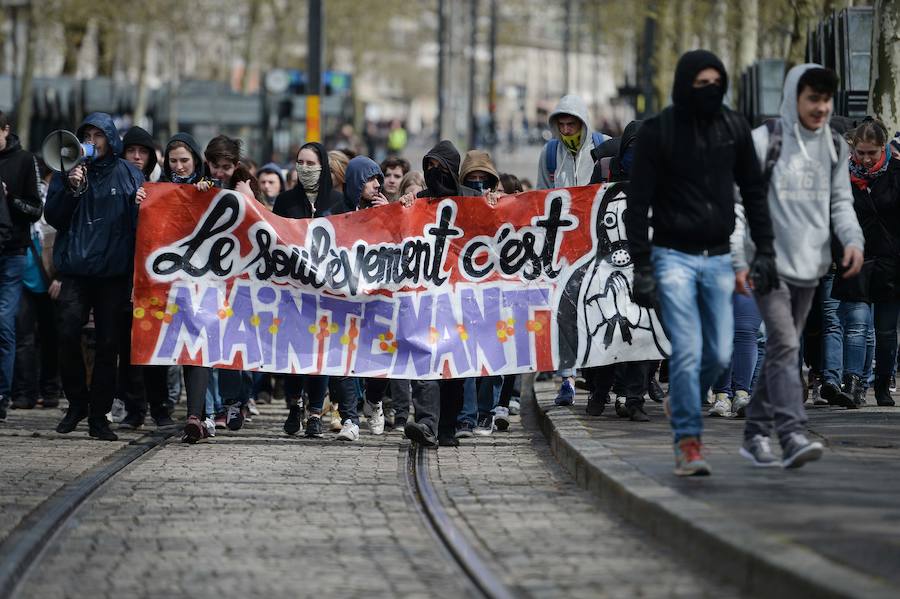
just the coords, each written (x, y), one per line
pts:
(392, 349)
(273, 329)
(501, 334)
(345, 339)
(333, 328)
(254, 320)
(312, 329)
(154, 301)
(464, 336)
(172, 308)
(511, 321)
(139, 312)
(229, 312)
(381, 337)
(159, 314)
(538, 326)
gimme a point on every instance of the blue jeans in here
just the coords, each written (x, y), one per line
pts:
(11, 269)
(886, 315)
(856, 318)
(480, 397)
(834, 352)
(739, 375)
(694, 289)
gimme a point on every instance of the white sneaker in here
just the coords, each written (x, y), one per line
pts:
(722, 406)
(251, 405)
(349, 432)
(117, 413)
(376, 419)
(335, 415)
(739, 403)
(367, 409)
(501, 418)
(210, 425)
(514, 407)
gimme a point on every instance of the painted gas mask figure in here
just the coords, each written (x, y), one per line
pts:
(598, 321)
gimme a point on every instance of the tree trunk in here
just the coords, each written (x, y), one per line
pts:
(805, 12)
(140, 104)
(253, 18)
(749, 36)
(24, 103)
(685, 31)
(883, 100)
(74, 38)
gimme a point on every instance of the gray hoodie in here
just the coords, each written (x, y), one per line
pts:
(571, 170)
(809, 183)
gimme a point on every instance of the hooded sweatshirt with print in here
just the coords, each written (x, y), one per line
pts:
(572, 169)
(96, 229)
(809, 195)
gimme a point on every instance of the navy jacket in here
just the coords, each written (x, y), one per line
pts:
(96, 230)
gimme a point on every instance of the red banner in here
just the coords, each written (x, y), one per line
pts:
(450, 287)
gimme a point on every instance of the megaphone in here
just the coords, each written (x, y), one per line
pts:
(62, 151)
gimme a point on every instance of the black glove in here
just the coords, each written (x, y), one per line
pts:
(645, 287)
(764, 273)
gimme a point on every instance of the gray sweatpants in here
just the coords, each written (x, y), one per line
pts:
(778, 396)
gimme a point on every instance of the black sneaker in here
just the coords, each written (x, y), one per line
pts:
(293, 424)
(133, 421)
(70, 421)
(314, 427)
(234, 417)
(399, 424)
(621, 408)
(2, 412)
(655, 391)
(420, 433)
(100, 430)
(464, 430)
(596, 404)
(164, 421)
(448, 441)
(50, 402)
(22, 403)
(835, 397)
(169, 406)
(637, 414)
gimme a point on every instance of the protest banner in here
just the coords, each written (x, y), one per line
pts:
(449, 287)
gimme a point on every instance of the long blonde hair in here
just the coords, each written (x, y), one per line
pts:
(337, 162)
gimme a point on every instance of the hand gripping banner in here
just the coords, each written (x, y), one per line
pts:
(449, 287)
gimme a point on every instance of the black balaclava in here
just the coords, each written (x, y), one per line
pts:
(442, 181)
(703, 102)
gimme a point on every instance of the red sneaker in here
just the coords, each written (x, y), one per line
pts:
(689, 458)
(193, 430)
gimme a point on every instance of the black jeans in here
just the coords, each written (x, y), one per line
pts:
(108, 298)
(196, 380)
(36, 369)
(628, 379)
(451, 404)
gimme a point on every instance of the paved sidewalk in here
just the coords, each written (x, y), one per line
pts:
(838, 518)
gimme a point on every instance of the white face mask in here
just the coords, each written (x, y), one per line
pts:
(309, 176)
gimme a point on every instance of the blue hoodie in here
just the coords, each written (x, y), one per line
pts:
(359, 171)
(96, 230)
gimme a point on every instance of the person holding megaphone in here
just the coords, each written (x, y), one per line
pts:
(91, 203)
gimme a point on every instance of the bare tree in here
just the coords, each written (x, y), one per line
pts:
(883, 99)
(24, 103)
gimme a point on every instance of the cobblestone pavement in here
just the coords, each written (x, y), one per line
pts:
(37, 461)
(844, 507)
(254, 513)
(547, 537)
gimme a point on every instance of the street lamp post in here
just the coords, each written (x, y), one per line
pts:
(314, 67)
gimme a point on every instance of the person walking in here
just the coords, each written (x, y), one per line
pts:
(808, 197)
(687, 160)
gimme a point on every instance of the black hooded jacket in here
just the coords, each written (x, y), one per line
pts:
(196, 152)
(685, 166)
(293, 203)
(18, 170)
(448, 156)
(137, 136)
